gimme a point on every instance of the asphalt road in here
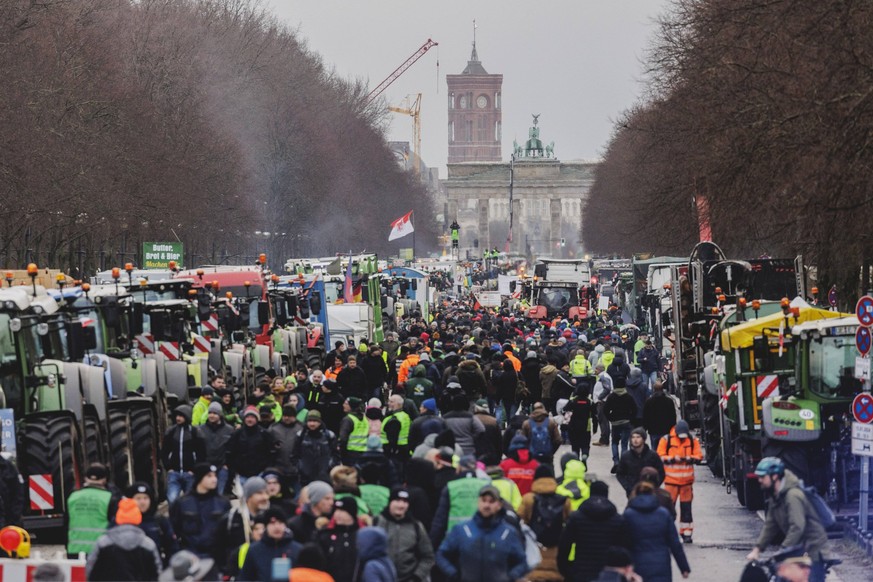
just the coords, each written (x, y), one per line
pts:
(723, 530)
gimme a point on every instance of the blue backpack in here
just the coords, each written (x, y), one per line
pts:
(540, 442)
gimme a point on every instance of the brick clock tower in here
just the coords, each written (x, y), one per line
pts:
(475, 114)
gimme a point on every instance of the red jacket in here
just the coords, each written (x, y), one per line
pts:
(521, 471)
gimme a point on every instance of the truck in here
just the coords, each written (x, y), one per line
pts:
(560, 288)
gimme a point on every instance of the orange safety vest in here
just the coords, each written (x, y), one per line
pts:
(679, 473)
(333, 373)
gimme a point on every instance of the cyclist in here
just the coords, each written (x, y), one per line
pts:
(790, 516)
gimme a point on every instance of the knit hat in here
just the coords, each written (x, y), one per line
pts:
(599, 489)
(399, 493)
(253, 485)
(317, 491)
(250, 411)
(682, 430)
(430, 404)
(266, 411)
(274, 512)
(215, 407)
(640, 431)
(271, 473)
(128, 512)
(544, 471)
(289, 410)
(347, 504)
(373, 413)
(200, 470)
(355, 402)
(518, 442)
(651, 475)
(467, 463)
(313, 415)
(531, 355)
(424, 357)
(207, 391)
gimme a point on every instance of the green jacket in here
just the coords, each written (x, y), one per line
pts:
(270, 400)
(376, 496)
(88, 512)
(200, 414)
(573, 484)
(791, 516)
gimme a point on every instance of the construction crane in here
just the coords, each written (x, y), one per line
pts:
(414, 111)
(401, 69)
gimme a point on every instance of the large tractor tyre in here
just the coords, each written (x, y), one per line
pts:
(95, 440)
(710, 435)
(144, 443)
(52, 446)
(120, 444)
(752, 494)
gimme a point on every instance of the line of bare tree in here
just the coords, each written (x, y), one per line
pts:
(765, 109)
(205, 121)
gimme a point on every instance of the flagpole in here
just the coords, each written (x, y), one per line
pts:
(412, 220)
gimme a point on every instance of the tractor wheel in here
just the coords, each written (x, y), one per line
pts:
(95, 442)
(144, 442)
(710, 436)
(51, 445)
(120, 456)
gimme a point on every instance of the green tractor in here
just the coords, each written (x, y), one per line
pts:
(786, 383)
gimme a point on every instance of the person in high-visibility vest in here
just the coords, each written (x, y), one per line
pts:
(679, 451)
(353, 431)
(395, 430)
(88, 510)
(458, 500)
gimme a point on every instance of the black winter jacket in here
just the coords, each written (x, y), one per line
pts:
(593, 528)
(199, 521)
(182, 448)
(659, 414)
(631, 464)
(251, 450)
(315, 453)
(215, 438)
(124, 552)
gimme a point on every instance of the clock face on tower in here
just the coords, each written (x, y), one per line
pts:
(482, 102)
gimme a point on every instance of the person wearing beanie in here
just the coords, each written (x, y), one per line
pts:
(519, 466)
(124, 552)
(619, 566)
(277, 542)
(427, 422)
(181, 449)
(471, 378)
(330, 403)
(620, 409)
(338, 540)
(542, 433)
(216, 434)
(156, 526)
(315, 451)
(89, 511)
(573, 484)
(225, 397)
(251, 448)
(255, 500)
(198, 414)
(352, 380)
(530, 373)
(546, 511)
(590, 531)
(680, 451)
(198, 517)
(317, 500)
(265, 417)
(639, 455)
(285, 434)
(353, 431)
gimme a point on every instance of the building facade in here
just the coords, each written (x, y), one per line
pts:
(475, 115)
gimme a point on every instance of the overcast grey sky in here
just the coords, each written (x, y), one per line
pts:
(578, 63)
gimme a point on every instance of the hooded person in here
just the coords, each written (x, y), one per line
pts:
(374, 565)
(471, 379)
(419, 388)
(653, 538)
(519, 466)
(638, 389)
(573, 485)
(589, 532)
(181, 449)
(124, 552)
(156, 526)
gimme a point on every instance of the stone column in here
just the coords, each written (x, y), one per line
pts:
(554, 223)
(484, 234)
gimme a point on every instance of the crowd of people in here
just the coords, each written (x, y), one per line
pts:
(429, 456)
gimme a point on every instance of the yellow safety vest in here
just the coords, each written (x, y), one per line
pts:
(405, 422)
(358, 437)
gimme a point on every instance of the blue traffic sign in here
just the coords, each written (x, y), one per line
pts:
(863, 340)
(864, 310)
(862, 407)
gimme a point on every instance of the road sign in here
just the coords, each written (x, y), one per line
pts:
(864, 310)
(863, 340)
(862, 408)
(862, 439)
